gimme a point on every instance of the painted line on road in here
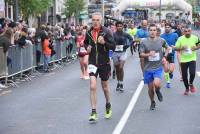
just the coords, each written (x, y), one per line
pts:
(129, 109)
(198, 73)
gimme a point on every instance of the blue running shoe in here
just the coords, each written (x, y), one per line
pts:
(168, 85)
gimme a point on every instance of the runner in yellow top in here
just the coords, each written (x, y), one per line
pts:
(132, 32)
(187, 45)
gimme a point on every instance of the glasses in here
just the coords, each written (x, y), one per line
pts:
(119, 26)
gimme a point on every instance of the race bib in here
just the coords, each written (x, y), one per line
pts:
(155, 57)
(119, 48)
(188, 51)
(92, 69)
(82, 50)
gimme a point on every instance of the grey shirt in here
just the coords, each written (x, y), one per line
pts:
(147, 45)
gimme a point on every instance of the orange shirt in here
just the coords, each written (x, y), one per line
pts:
(45, 47)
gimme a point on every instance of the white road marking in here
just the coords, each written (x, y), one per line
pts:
(198, 73)
(129, 109)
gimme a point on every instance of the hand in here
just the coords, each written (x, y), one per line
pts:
(194, 48)
(152, 53)
(164, 61)
(101, 40)
(89, 48)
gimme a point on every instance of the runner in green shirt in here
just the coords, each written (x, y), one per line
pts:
(187, 45)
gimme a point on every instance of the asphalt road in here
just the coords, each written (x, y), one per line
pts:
(58, 103)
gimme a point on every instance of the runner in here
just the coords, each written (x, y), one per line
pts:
(123, 41)
(187, 45)
(171, 39)
(151, 51)
(112, 29)
(82, 53)
(98, 42)
(132, 32)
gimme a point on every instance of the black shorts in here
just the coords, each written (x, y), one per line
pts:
(170, 58)
(103, 71)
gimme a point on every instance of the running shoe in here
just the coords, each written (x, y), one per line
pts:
(159, 95)
(108, 112)
(192, 89)
(168, 85)
(153, 105)
(118, 87)
(171, 75)
(93, 117)
(121, 88)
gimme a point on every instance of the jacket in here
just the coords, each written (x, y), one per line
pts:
(99, 54)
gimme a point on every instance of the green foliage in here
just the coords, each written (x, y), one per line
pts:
(33, 7)
(73, 7)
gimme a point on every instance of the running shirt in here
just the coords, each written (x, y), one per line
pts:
(171, 39)
(153, 62)
(141, 33)
(187, 55)
(132, 32)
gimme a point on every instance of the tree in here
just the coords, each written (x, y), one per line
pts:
(33, 7)
(73, 7)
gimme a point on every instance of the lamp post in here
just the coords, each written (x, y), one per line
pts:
(16, 10)
(160, 11)
(102, 12)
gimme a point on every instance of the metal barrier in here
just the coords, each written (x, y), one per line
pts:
(3, 63)
(26, 59)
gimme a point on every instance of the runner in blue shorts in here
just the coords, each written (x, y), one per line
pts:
(151, 51)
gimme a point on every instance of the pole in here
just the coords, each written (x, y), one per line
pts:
(160, 11)
(102, 12)
(16, 10)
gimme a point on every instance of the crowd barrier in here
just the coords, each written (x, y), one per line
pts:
(28, 58)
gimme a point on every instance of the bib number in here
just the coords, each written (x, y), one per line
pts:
(92, 69)
(188, 51)
(119, 48)
(155, 57)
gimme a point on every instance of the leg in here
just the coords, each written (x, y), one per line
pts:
(184, 69)
(93, 87)
(192, 70)
(85, 61)
(106, 91)
(151, 91)
(82, 67)
(179, 63)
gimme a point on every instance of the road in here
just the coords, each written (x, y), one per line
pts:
(58, 103)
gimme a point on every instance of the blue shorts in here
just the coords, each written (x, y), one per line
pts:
(150, 75)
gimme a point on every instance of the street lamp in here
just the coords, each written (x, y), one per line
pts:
(160, 11)
(102, 12)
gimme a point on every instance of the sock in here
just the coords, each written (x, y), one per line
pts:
(167, 79)
(120, 82)
(108, 105)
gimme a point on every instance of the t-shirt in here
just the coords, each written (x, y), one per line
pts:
(187, 55)
(171, 39)
(132, 32)
(147, 45)
(141, 33)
